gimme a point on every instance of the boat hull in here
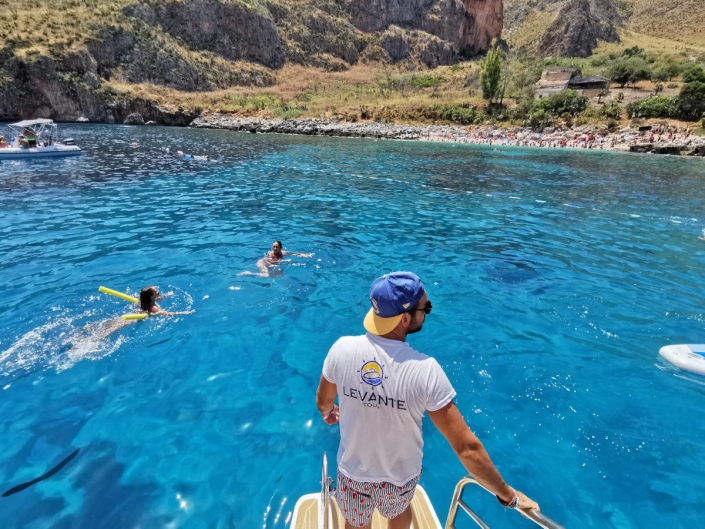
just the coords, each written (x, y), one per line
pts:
(53, 151)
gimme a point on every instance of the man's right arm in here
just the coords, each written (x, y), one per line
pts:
(473, 455)
(325, 401)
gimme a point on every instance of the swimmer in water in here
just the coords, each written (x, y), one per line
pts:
(192, 156)
(267, 265)
(703, 237)
(147, 303)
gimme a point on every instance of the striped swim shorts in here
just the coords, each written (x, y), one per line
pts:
(357, 499)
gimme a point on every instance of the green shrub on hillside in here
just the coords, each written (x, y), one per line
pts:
(522, 110)
(463, 114)
(610, 111)
(541, 119)
(425, 81)
(691, 101)
(694, 74)
(568, 101)
(629, 70)
(287, 113)
(666, 72)
(633, 52)
(653, 107)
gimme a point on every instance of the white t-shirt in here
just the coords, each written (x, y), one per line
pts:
(384, 389)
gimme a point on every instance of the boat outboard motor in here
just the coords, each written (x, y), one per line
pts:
(69, 141)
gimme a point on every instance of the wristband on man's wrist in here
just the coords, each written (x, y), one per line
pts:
(511, 504)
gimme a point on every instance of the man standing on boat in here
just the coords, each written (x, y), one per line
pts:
(384, 387)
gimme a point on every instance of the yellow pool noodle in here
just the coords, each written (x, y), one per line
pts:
(135, 316)
(117, 294)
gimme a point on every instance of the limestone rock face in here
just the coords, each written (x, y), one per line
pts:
(468, 26)
(45, 88)
(144, 58)
(233, 30)
(134, 119)
(483, 22)
(572, 34)
(578, 26)
(395, 43)
(417, 47)
(204, 45)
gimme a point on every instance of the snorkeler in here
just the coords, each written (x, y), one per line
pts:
(272, 259)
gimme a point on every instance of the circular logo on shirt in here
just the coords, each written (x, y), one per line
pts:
(372, 373)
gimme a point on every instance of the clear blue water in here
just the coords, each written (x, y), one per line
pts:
(555, 279)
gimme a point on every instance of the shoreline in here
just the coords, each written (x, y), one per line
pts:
(589, 137)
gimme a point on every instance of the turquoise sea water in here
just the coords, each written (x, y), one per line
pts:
(555, 278)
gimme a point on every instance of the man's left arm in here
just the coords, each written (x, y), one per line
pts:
(325, 400)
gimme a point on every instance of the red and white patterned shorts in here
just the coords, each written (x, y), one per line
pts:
(358, 499)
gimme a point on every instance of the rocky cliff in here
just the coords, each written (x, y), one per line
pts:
(204, 45)
(67, 88)
(563, 28)
(576, 30)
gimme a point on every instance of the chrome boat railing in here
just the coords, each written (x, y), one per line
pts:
(326, 482)
(535, 516)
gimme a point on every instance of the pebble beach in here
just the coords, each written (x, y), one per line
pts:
(627, 139)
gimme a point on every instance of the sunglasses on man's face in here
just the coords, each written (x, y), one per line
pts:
(426, 308)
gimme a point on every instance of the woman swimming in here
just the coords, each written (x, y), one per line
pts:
(147, 303)
(269, 263)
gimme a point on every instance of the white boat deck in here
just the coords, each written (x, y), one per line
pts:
(308, 510)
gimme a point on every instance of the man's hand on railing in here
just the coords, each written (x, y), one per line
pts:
(518, 500)
(526, 503)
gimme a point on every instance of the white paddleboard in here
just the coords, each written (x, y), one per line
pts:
(690, 357)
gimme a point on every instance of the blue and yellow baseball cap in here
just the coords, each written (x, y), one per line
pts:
(392, 295)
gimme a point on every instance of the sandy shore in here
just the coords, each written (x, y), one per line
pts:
(628, 139)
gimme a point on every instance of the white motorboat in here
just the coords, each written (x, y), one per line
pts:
(320, 510)
(36, 138)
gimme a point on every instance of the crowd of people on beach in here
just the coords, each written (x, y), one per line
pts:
(558, 138)
(667, 133)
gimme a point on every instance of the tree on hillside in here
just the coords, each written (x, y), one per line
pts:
(491, 74)
(632, 70)
(691, 101)
(694, 74)
(567, 102)
(633, 52)
(666, 73)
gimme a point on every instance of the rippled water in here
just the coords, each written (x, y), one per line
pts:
(555, 279)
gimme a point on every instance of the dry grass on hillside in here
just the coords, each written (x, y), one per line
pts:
(655, 25)
(679, 20)
(659, 46)
(43, 23)
(531, 29)
(311, 92)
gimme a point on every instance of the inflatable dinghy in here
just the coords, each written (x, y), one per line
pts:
(690, 357)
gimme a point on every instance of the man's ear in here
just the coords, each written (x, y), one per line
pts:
(405, 320)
